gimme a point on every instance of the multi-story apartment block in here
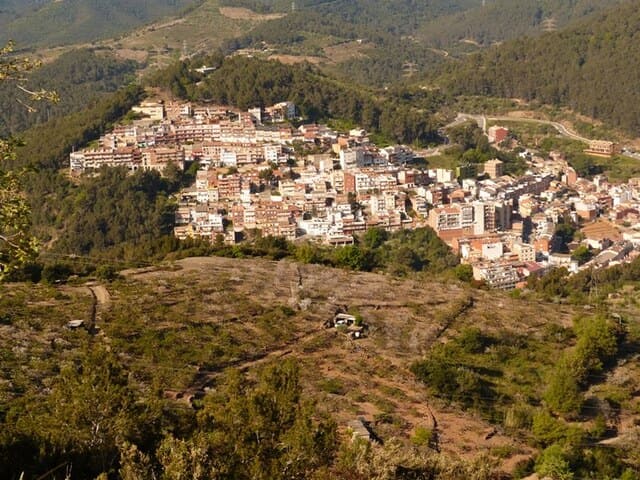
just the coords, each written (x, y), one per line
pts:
(494, 168)
(502, 276)
(93, 159)
(602, 148)
(229, 186)
(158, 158)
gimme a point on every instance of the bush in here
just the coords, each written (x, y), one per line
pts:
(56, 272)
(333, 386)
(464, 272)
(107, 272)
(563, 392)
(553, 463)
(472, 340)
(422, 436)
(546, 429)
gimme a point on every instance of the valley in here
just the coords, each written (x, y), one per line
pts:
(344, 240)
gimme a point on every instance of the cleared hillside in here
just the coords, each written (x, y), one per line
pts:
(175, 331)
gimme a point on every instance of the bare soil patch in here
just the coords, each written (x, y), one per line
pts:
(239, 13)
(343, 52)
(131, 54)
(294, 59)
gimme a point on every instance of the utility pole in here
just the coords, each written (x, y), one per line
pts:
(185, 50)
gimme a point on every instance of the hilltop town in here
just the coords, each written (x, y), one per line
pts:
(256, 174)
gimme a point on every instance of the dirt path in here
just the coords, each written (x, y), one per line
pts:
(102, 295)
(101, 301)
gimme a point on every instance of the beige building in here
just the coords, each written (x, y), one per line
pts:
(153, 110)
(602, 148)
(494, 168)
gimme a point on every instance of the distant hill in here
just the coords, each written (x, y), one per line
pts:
(591, 68)
(48, 23)
(79, 77)
(500, 20)
(403, 37)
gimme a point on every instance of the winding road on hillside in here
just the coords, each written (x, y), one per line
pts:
(482, 121)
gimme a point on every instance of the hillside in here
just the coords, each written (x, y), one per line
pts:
(404, 116)
(172, 331)
(590, 68)
(375, 43)
(48, 23)
(79, 77)
(501, 20)
(397, 40)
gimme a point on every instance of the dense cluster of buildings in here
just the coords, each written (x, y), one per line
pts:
(256, 175)
(508, 227)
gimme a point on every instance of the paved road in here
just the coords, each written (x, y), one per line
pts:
(482, 120)
(562, 130)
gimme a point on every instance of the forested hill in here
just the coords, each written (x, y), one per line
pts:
(48, 22)
(500, 20)
(401, 37)
(79, 77)
(400, 116)
(591, 68)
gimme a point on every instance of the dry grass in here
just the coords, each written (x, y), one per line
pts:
(343, 52)
(372, 374)
(238, 13)
(294, 59)
(179, 327)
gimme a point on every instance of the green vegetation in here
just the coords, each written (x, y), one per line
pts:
(259, 429)
(119, 216)
(402, 252)
(498, 375)
(396, 33)
(37, 23)
(501, 20)
(47, 146)
(588, 67)
(405, 117)
(586, 286)
(17, 246)
(79, 78)
(471, 149)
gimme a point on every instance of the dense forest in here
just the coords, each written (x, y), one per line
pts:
(51, 23)
(500, 20)
(440, 23)
(590, 68)
(45, 151)
(48, 144)
(79, 77)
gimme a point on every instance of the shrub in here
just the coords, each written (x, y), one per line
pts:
(422, 436)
